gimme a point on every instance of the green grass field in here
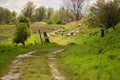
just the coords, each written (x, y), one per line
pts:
(8, 31)
(36, 67)
(9, 51)
(95, 58)
(88, 57)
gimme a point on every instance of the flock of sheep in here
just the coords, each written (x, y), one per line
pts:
(65, 33)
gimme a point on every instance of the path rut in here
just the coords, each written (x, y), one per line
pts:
(52, 63)
(13, 74)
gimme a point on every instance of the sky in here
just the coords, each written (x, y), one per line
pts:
(17, 5)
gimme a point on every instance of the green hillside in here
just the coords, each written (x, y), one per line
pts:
(94, 58)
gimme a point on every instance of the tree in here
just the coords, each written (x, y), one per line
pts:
(13, 17)
(7, 16)
(22, 30)
(40, 13)
(62, 14)
(49, 13)
(55, 17)
(1, 14)
(28, 10)
(108, 13)
(74, 6)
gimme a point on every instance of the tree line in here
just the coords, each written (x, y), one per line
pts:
(7, 17)
(70, 11)
(47, 14)
(105, 14)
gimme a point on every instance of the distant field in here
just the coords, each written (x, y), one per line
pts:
(2, 38)
(8, 31)
(47, 28)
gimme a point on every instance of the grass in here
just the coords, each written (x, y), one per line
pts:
(8, 31)
(36, 67)
(94, 58)
(8, 53)
(84, 33)
(89, 58)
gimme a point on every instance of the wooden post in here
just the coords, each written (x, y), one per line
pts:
(102, 32)
(46, 38)
(40, 37)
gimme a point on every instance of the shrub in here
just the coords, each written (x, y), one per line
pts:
(22, 30)
(59, 22)
(49, 22)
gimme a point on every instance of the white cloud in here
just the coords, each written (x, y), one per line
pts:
(17, 5)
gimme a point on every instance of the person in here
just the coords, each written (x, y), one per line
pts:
(46, 38)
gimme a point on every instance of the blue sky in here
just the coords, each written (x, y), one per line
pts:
(17, 5)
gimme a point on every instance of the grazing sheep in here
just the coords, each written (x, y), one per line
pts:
(74, 34)
(62, 33)
(78, 31)
(52, 34)
(79, 25)
(56, 32)
(60, 30)
(71, 33)
(68, 34)
(53, 29)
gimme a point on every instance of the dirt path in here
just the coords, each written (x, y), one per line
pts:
(13, 74)
(51, 61)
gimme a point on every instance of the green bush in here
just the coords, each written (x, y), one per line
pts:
(59, 22)
(49, 22)
(22, 30)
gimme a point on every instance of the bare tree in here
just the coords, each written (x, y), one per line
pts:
(75, 6)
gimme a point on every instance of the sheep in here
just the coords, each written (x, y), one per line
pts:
(52, 34)
(68, 34)
(56, 32)
(78, 31)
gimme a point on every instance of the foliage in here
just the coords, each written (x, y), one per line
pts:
(75, 7)
(28, 10)
(40, 14)
(49, 13)
(107, 13)
(59, 22)
(13, 17)
(61, 15)
(49, 22)
(23, 30)
(6, 16)
(55, 17)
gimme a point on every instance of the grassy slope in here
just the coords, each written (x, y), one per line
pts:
(83, 34)
(94, 58)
